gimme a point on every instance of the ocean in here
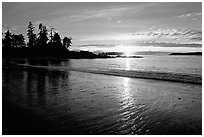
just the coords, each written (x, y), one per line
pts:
(149, 95)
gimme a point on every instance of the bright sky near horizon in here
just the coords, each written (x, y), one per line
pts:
(110, 26)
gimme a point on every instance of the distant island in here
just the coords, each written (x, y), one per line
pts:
(188, 53)
(136, 53)
(132, 56)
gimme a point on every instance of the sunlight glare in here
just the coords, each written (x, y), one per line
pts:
(128, 53)
(127, 50)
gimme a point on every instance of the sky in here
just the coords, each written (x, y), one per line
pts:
(112, 26)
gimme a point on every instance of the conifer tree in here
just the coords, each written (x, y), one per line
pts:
(31, 36)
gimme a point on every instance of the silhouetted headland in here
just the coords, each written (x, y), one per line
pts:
(49, 52)
(40, 45)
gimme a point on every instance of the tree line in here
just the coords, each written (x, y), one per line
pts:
(38, 44)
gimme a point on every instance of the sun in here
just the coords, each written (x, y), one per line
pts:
(127, 53)
(126, 50)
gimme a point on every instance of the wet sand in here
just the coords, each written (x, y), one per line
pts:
(68, 102)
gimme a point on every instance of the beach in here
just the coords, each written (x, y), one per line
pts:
(75, 102)
(102, 68)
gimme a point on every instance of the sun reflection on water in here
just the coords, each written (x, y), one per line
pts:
(127, 97)
(126, 80)
(126, 85)
(127, 64)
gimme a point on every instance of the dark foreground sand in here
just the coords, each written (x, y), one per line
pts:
(84, 103)
(18, 120)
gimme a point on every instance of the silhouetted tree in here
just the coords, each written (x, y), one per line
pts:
(7, 41)
(50, 43)
(18, 41)
(67, 42)
(40, 26)
(51, 34)
(57, 40)
(31, 36)
(42, 38)
(21, 40)
(13, 44)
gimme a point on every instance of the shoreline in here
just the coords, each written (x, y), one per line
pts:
(163, 76)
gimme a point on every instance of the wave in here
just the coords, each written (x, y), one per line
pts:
(165, 76)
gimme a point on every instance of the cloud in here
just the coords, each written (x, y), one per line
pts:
(176, 34)
(162, 35)
(192, 16)
(197, 38)
(171, 33)
(38, 22)
(155, 33)
(60, 11)
(192, 32)
(109, 12)
(10, 28)
(151, 28)
(193, 35)
(15, 28)
(169, 44)
(100, 14)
